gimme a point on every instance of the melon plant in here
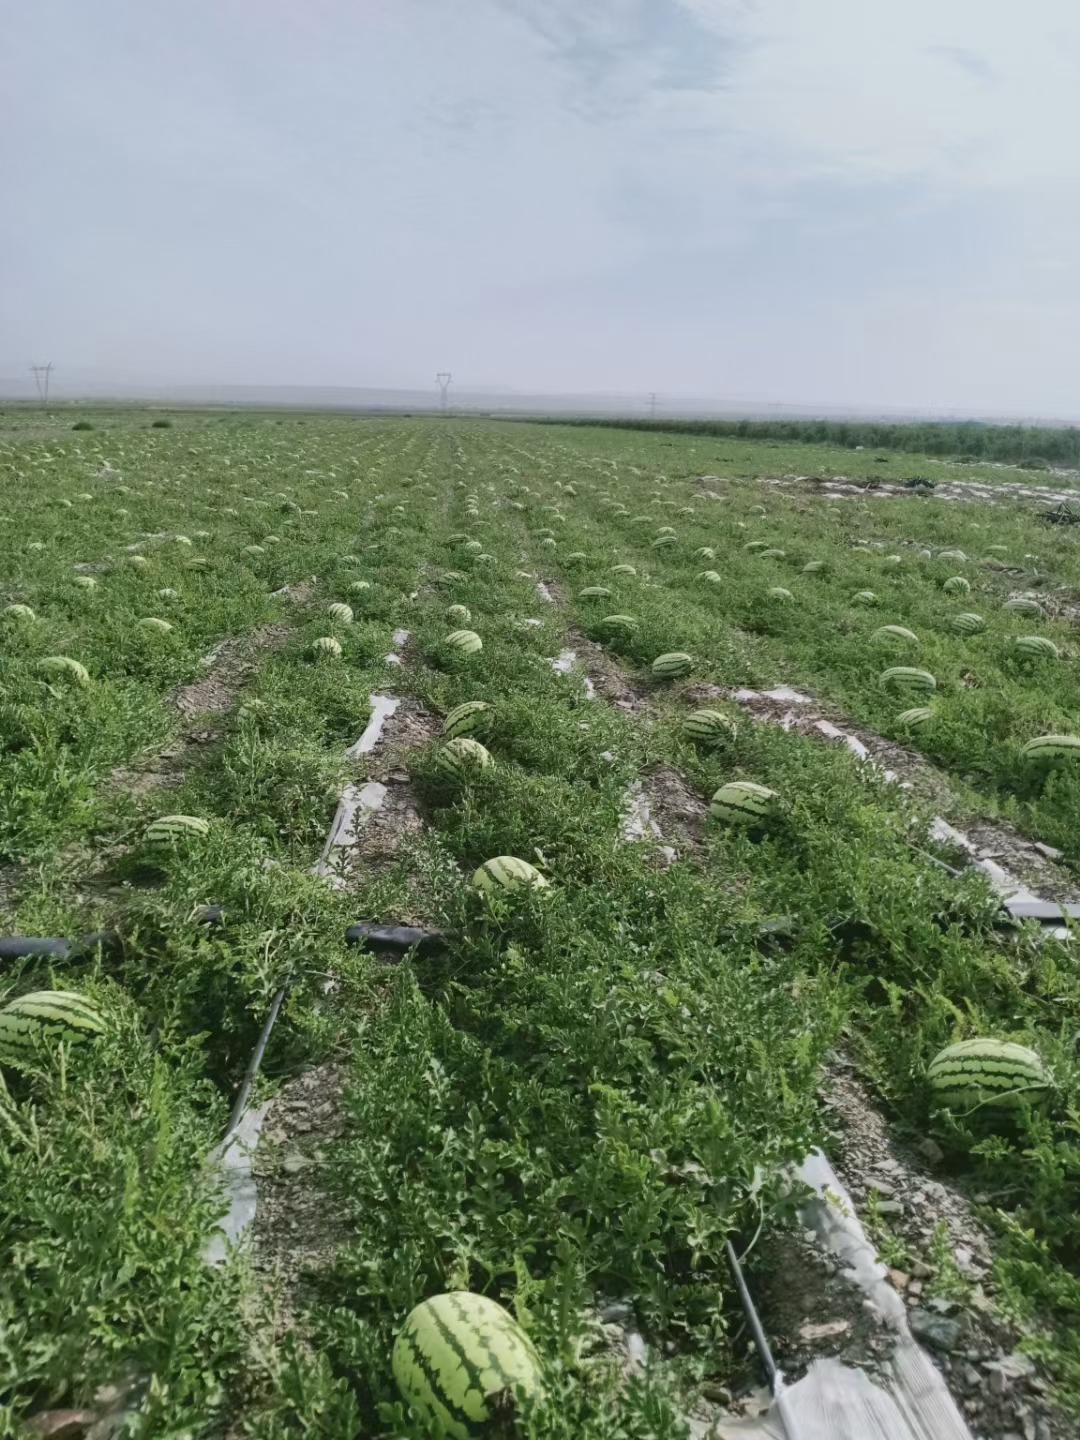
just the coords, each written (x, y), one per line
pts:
(905, 677)
(672, 666)
(473, 717)
(744, 802)
(508, 873)
(987, 1074)
(42, 1018)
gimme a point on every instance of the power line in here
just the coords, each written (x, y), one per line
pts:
(41, 380)
(443, 379)
(652, 405)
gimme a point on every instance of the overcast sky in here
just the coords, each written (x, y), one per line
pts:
(822, 201)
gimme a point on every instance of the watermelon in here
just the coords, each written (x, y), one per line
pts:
(623, 570)
(705, 553)
(968, 623)
(594, 592)
(254, 550)
(326, 648)
(956, 585)
(464, 642)
(358, 587)
(87, 582)
(813, 567)
(152, 623)
(957, 555)
(893, 560)
(200, 562)
(471, 718)
(997, 1074)
(458, 614)
(618, 623)
(743, 802)
(449, 577)
(864, 597)
(1052, 747)
(918, 716)
(45, 1017)
(64, 665)
(756, 545)
(709, 727)
(473, 547)
(271, 539)
(894, 634)
(576, 557)
(547, 544)
(665, 530)
(340, 612)
(711, 577)
(137, 562)
(672, 665)
(19, 612)
(772, 554)
(777, 592)
(1023, 605)
(904, 677)
(544, 534)
(170, 830)
(1034, 645)
(462, 757)
(506, 872)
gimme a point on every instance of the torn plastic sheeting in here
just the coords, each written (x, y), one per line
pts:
(232, 1160)
(357, 804)
(637, 820)
(544, 592)
(382, 707)
(826, 727)
(563, 663)
(1007, 885)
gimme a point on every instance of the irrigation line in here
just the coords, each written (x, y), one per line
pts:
(240, 1104)
(776, 1380)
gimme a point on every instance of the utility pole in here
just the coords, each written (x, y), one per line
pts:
(652, 405)
(443, 379)
(41, 380)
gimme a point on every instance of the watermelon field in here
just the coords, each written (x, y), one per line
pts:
(691, 862)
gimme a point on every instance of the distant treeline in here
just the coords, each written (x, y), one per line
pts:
(1015, 444)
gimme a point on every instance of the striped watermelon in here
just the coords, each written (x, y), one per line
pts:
(137, 562)
(968, 623)
(743, 802)
(957, 555)
(19, 612)
(46, 1017)
(340, 612)
(672, 665)
(464, 642)
(359, 586)
(174, 829)
(87, 582)
(711, 577)
(200, 562)
(473, 547)
(665, 530)
(894, 634)
(64, 665)
(705, 553)
(664, 542)
(956, 585)
(772, 554)
(813, 567)
(904, 677)
(709, 727)
(471, 718)
(997, 1074)
(623, 570)
(777, 592)
(1024, 605)
(271, 539)
(1052, 747)
(450, 577)
(507, 872)
(254, 550)
(152, 623)
(594, 592)
(864, 597)
(484, 559)
(618, 624)
(465, 1365)
(458, 614)
(1037, 645)
(326, 648)
(918, 716)
(756, 545)
(576, 557)
(462, 757)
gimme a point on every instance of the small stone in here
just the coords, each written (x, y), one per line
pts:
(883, 1187)
(915, 1288)
(890, 1207)
(899, 1279)
(937, 1331)
(921, 1270)
(60, 1424)
(824, 1331)
(716, 1393)
(930, 1150)
(1047, 850)
(969, 1377)
(294, 1162)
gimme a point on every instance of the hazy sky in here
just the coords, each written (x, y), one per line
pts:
(788, 200)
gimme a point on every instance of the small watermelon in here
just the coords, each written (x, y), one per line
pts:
(756, 545)
(464, 642)
(19, 612)
(46, 1017)
(594, 592)
(137, 562)
(813, 567)
(994, 1074)
(1045, 748)
(326, 648)
(85, 582)
(664, 542)
(918, 716)
(507, 873)
(904, 677)
(772, 554)
(64, 665)
(623, 570)
(777, 592)
(968, 623)
(672, 666)
(357, 587)
(458, 614)
(576, 557)
(709, 727)
(464, 1365)
(151, 623)
(617, 624)
(705, 553)
(170, 830)
(864, 597)
(957, 555)
(1036, 645)
(473, 547)
(956, 585)
(462, 757)
(894, 635)
(340, 612)
(472, 718)
(743, 802)
(710, 577)
(1024, 605)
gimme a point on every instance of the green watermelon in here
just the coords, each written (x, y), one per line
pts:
(743, 802)
(1052, 747)
(174, 829)
(576, 557)
(709, 727)
(672, 665)
(904, 677)
(46, 1017)
(864, 597)
(772, 554)
(813, 567)
(894, 634)
(918, 716)
(473, 547)
(617, 624)
(1037, 645)
(777, 592)
(594, 592)
(326, 648)
(340, 612)
(464, 642)
(956, 585)
(64, 665)
(664, 542)
(623, 570)
(711, 577)
(458, 614)
(957, 555)
(19, 612)
(152, 623)
(997, 1074)
(461, 757)
(471, 718)
(357, 587)
(968, 623)
(1024, 605)
(506, 872)
(705, 553)
(87, 582)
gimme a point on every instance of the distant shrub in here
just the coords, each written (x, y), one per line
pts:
(161, 425)
(82, 425)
